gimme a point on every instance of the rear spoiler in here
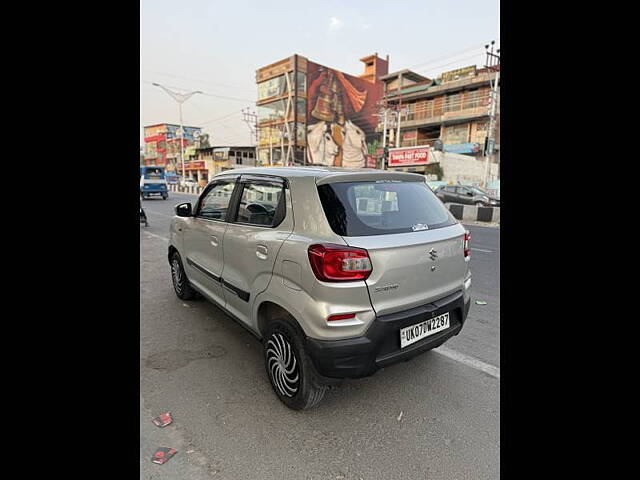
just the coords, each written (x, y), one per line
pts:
(372, 177)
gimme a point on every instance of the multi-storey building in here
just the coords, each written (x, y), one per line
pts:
(162, 144)
(454, 108)
(205, 162)
(315, 115)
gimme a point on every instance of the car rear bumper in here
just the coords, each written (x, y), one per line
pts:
(380, 346)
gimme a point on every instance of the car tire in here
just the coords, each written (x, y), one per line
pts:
(289, 367)
(181, 285)
(165, 196)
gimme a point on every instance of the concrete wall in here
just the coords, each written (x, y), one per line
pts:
(463, 168)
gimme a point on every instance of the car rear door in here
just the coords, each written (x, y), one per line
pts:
(412, 269)
(416, 247)
(203, 257)
(261, 222)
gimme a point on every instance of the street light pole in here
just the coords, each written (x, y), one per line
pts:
(180, 98)
(493, 64)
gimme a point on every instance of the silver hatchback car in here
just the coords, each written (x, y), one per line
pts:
(338, 272)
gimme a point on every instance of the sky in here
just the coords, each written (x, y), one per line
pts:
(216, 47)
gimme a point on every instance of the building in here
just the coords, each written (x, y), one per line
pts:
(205, 162)
(162, 144)
(453, 108)
(310, 114)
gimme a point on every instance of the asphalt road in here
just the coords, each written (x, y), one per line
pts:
(208, 372)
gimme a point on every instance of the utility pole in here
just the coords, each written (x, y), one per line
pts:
(493, 65)
(180, 98)
(251, 119)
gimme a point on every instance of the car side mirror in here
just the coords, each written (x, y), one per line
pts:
(183, 210)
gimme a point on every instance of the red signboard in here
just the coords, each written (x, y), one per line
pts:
(370, 161)
(197, 165)
(408, 157)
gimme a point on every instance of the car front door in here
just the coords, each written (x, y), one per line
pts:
(204, 239)
(463, 195)
(262, 221)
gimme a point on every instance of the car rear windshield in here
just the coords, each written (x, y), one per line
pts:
(356, 209)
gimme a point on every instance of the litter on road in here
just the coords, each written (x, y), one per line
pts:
(400, 416)
(163, 454)
(163, 420)
(480, 302)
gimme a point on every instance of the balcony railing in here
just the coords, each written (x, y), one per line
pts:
(475, 104)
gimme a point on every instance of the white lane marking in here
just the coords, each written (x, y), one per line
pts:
(481, 250)
(469, 361)
(157, 236)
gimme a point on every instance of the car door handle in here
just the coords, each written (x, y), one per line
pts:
(261, 252)
(214, 240)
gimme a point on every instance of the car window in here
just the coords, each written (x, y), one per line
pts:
(215, 203)
(450, 189)
(369, 208)
(261, 204)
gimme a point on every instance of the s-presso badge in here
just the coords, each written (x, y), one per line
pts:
(386, 288)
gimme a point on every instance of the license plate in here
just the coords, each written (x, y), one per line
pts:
(412, 334)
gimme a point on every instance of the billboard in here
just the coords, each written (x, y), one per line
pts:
(458, 74)
(408, 157)
(340, 117)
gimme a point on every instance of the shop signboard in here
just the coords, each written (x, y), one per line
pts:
(195, 165)
(408, 157)
(463, 147)
(370, 161)
(458, 74)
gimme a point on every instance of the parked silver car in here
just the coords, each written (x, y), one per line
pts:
(338, 272)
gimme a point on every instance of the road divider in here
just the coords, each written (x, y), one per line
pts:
(189, 190)
(474, 214)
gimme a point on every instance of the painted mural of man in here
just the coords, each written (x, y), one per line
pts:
(332, 89)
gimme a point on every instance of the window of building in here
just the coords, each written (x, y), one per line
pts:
(302, 82)
(453, 102)
(272, 88)
(245, 154)
(272, 111)
(456, 133)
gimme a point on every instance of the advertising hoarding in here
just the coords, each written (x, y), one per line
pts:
(340, 117)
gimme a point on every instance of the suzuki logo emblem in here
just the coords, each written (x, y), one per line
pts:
(433, 253)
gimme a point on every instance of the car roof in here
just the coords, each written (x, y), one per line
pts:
(317, 172)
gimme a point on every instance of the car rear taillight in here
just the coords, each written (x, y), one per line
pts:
(467, 239)
(339, 263)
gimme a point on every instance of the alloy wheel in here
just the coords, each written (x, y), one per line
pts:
(176, 275)
(282, 365)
